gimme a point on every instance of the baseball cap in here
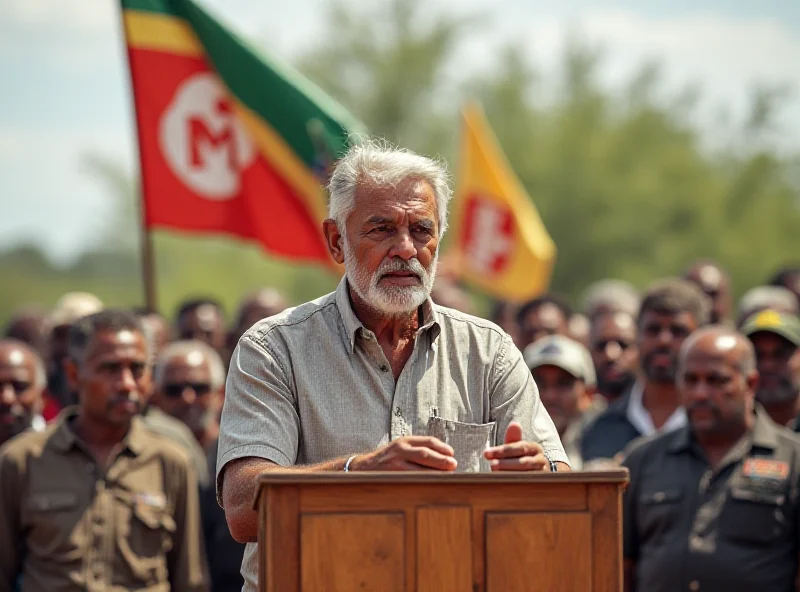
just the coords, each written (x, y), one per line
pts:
(73, 306)
(781, 323)
(564, 353)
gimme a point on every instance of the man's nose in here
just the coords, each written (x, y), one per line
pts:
(8, 395)
(403, 245)
(665, 336)
(127, 381)
(188, 396)
(612, 350)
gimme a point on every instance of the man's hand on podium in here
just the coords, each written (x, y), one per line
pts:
(516, 454)
(411, 453)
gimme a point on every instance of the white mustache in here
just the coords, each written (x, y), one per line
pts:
(395, 265)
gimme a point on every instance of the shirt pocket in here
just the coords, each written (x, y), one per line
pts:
(55, 524)
(468, 441)
(753, 515)
(144, 537)
(658, 510)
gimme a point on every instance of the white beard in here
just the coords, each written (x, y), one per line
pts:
(391, 300)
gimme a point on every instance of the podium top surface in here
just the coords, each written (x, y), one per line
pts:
(286, 477)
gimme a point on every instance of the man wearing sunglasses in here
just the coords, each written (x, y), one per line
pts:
(189, 379)
(22, 381)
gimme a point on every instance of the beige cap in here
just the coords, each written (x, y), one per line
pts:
(73, 306)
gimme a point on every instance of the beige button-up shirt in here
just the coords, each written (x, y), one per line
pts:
(312, 384)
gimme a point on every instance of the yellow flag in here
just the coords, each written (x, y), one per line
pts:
(501, 244)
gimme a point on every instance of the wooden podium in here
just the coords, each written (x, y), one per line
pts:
(426, 532)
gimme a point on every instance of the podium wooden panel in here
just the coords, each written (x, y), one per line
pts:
(427, 532)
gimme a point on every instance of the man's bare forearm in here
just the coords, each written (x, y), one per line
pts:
(239, 485)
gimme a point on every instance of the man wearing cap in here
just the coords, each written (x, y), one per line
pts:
(776, 339)
(563, 371)
(713, 506)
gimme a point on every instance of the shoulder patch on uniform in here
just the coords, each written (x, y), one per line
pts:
(151, 500)
(762, 468)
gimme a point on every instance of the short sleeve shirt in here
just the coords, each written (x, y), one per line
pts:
(312, 384)
(688, 527)
(68, 524)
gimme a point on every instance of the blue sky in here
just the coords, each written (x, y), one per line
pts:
(65, 80)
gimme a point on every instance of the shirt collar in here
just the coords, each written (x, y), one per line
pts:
(763, 434)
(640, 418)
(64, 437)
(352, 325)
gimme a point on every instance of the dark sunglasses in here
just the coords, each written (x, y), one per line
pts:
(176, 389)
(18, 386)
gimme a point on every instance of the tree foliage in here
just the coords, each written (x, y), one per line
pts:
(627, 183)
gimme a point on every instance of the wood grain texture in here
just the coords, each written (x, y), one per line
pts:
(348, 552)
(281, 553)
(605, 505)
(541, 552)
(444, 549)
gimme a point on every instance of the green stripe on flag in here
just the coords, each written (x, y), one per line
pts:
(157, 6)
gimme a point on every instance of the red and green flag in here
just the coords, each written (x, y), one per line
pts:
(231, 142)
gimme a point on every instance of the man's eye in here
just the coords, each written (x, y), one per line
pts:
(379, 229)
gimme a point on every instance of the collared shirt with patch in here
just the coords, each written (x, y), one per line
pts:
(735, 528)
(68, 524)
(313, 384)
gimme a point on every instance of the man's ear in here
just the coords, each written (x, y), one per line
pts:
(752, 380)
(333, 238)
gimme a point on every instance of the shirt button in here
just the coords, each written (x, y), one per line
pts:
(398, 412)
(659, 497)
(384, 368)
(694, 585)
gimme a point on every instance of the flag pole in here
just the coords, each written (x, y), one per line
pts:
(146, 250)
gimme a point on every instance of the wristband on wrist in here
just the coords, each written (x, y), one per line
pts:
(347, 464)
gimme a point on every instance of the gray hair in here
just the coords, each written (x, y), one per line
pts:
(184, 348)
(761, 297)
(616, 295)
(380, 163)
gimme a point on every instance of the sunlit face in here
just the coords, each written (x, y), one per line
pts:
(186, 391)
(659, 340)
(563, 395)
(543, 321)
(20, 396)
(612, 342)
(715, 392)
(389, 247)
(204, 323)
(113, 380)
(778, 368)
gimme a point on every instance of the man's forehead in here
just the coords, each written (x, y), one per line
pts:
(190, 360)
(113, 342)
(409, 192)
(15, 356)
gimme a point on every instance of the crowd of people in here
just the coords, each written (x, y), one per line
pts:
(114, 438)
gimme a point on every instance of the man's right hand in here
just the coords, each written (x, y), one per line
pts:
(411, 453)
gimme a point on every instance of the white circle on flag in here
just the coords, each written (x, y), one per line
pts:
(202, 141)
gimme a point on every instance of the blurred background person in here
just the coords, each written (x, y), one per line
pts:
(579, 328)
(612, 343)
(203, 319)
(776, 339)
(713, 505)
(715, 283)
(671, 310)
(789, 278)
(262, 303)
(70, 308)
(541, 317)
(189, 377)
(98, 477)
(760, 298)
(563, 371)
(610, 295)
(22, 381)
(157, 328)
(29, 325)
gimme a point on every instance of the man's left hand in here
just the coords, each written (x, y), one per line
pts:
(515, 454)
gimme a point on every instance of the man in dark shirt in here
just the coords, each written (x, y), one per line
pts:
(714, 505)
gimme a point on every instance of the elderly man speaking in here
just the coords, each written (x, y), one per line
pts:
(375, 376)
